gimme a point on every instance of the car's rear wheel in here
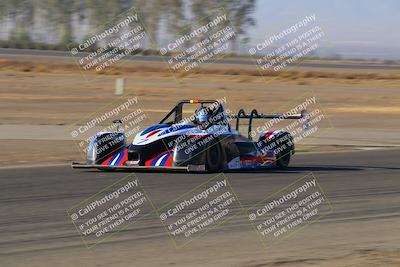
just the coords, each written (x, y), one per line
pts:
(284, 148)
(283, 159)
(282, 145)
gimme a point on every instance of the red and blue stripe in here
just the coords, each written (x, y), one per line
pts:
(162, 159)
(117, 159)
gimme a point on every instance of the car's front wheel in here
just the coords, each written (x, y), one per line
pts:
(214, 158)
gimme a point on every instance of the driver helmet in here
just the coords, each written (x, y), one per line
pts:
(202, 115)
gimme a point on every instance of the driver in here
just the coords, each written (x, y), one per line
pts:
(202, 115)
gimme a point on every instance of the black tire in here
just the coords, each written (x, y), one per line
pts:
(286, 150)
(214, 158)
(282, 144)
(283, 159)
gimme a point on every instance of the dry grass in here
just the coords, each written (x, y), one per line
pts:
(368, 109)
(245, 74)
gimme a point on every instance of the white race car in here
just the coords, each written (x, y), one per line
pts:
(204, 142)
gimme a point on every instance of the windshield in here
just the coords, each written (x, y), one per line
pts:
(187, 112)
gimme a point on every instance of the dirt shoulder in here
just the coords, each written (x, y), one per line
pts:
(36, 90)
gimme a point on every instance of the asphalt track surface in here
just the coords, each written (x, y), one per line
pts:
(66, 54)
(363, 186)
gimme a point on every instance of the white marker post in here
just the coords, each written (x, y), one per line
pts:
(119, 86)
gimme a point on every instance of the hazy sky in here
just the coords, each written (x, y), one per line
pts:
(370, 25)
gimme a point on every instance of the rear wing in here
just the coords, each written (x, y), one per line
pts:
(280, 116)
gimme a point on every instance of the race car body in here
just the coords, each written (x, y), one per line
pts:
(205, 141)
